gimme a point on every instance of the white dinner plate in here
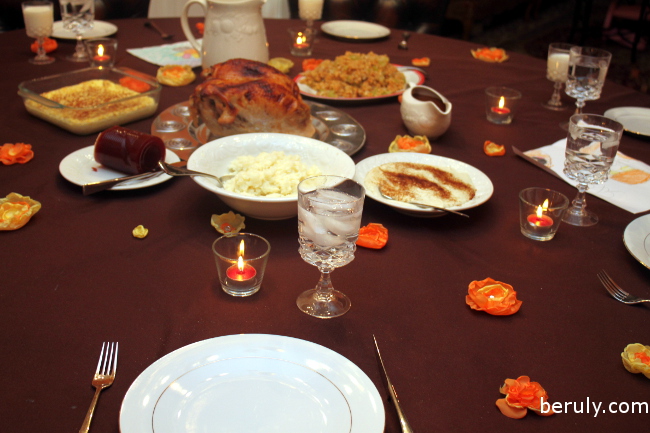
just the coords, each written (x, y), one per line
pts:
(81, 168)
(100, 29)
(481, 182)
(355, 30)
(412, 77)
(252, 383)
(635, 120)
(637, 239)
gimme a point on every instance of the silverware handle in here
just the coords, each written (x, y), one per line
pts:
(91, 188)
(91, 410)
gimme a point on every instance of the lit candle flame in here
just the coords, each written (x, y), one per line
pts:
(543, 208)
(240, 259)
(502, 102)
(100, 50)
(301, 39)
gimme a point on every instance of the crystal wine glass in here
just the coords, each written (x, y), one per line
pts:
(78, 17)
(557, 68)
(310, 10)
(591, 146)
(587, 71)
(39, 17)
(329, 216)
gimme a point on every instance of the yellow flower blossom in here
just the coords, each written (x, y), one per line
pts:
(228, 223)
(140, 232)
(16, 210)
(636, 359)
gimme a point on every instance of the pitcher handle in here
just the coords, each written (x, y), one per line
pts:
(186, 26)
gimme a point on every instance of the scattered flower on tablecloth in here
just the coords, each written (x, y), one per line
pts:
(16, 210)
(493, 297)
(140, 232)
(228, 223)
(492, 149)
(521, 395)
(490, 55)
(636, 359)
(373, 235)
(11, 153)
(406, 143)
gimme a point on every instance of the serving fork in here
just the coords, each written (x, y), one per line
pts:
(616, 291)
(406, 428)
(103, 378)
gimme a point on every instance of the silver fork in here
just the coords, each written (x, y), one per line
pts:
(103, 378)
(616, 291)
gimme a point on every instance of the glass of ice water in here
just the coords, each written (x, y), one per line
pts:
(78, 17)
(591, 146)
(587, 71)
(329, 217)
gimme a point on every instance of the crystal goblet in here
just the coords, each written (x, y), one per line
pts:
(557, 68)
(78, 17)
(39, 17)
(591, 146)
(310, 10)
(329, 217)
(587, 71)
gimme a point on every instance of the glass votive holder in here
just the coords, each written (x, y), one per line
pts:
(302, 41)
(540, 212)
(101, 51)
(241, 261)
(500, 104)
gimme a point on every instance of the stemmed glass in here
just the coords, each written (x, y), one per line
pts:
(557, 68)
(591, 146)
(310, 10)
(39, 17)
(587, 71)
(78, 17)
(329, 216)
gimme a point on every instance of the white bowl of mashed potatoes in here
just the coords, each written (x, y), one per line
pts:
(266, 169)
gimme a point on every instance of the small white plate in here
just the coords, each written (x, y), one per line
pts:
(637, 239)
(100, 29)
(635, 120)
(355, 30)
(413, 78)
(81, 168)
(252, 383)
(481, 182)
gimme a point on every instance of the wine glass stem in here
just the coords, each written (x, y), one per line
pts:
(324, 287)
(80, 50)
(579, 203)
(555, 98)
(40, 53)
(579, 104)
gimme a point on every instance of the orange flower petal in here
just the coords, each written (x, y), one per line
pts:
(509, 411)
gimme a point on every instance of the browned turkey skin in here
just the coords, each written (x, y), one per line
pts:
(241, 96)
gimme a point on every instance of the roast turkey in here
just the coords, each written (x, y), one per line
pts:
(241, 96)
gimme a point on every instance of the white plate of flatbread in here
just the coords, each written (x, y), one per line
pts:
(453, 184)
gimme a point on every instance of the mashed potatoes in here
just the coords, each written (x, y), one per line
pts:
(273, 174)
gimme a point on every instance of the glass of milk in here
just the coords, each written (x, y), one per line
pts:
(39, 17)
(557, 67)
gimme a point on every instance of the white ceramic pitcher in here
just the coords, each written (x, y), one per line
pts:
(233, 29)
(425, 112)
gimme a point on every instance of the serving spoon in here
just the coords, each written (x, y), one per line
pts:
(422, 205)
(154, 26)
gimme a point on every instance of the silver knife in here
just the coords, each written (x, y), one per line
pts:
(406, 428)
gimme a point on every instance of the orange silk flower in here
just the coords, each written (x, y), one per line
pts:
(16, 153)
(493, 297)
(521, 395)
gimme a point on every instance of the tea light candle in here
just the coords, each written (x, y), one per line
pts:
(539, 219)
(501, 109)
(241, 272)
(100, 56)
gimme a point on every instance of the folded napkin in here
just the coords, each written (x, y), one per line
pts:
(180, 53)
(628, 186)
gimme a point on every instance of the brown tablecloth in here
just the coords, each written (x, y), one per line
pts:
(75, 277)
